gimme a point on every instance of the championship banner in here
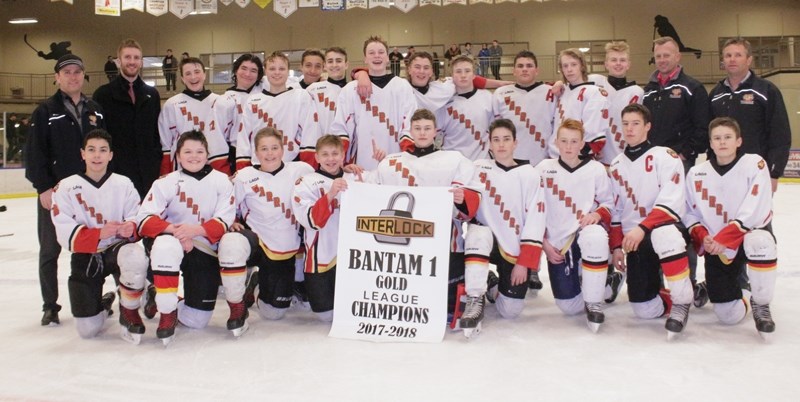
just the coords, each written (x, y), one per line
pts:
(480, 1)
(206, 6)
(181, 8)
(262, 3)
(379, 3)
(308, 3)
(107, 7)
(243, 3)
(332, 5)
(405, 5)
(356, 4)
(137, 5)
(284, 8)
(449, 2)
(392, 263)
(506, 1)
(423, 3)
(156, 7)
(226, 2)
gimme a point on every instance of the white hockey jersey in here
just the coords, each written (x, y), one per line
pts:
(438, 94)
(204, 111)
(588, 104)
(512, 206)
(571, 193)
(617, 100)
(264, 201)
(727, 202)
(648, 189)
(324, 94)
(464, 124)
(319, 217)
(383, 118)
(291, 112)
(432, 168)
(202, 198)
(81, 207)
(532, 110)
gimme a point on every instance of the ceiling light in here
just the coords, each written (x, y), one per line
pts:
(584, 49)
(27, 20)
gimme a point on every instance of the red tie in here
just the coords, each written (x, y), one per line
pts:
(130, 93)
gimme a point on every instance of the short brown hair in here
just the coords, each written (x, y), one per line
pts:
(725, 122)
(372, 39)
(503, 123)
(637, 108)
(664, 40)
(128, 43)
(525, 54)
(267, 132)
(463, 59)
(336, 49)
(618, 46)
(330, 140)
(423, 114)
(312, 52)
(193, 135)
(739, 41)
(575, 54)
(571, 124)
(191, 60)
(276, 55)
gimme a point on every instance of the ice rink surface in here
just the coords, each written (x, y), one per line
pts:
(542, 355)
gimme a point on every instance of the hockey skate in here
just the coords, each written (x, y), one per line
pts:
(166, 327)
(594, 316)
(132, 325)
(763, 319)
(237, 323)
(471, 320)
(50, 318)
(678, 318)
(534, 283)
(107, 301)
(700, 294)
(300, 299)
(614, 282)
(150, 302)
(250, 289)
(492, 282)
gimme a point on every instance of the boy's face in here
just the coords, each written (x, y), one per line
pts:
(97, 153)
(634, 128)
(571, 68)
(502, 144)
(463, 74)
(569, 143)
(277, 72)
(192, 156)
(420, 71)
(269, 152)
(724, 142)
(335, 65)
(423, 132)
(246, 75)
(70, 79)
(193, 76)
(376, 58)
(312, 69)
(617, 64)
(525, 71)
(330, 159)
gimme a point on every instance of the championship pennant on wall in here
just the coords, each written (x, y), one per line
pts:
(137, 5)
(356, 4)
(284, 8)
(262, 3)
(107, 7)
(332, 5)
(449, 2)
(206, 6)
(226, 2)
(423, 3)
(379, 3)
(392, 263)
(156, 7)
(243, 3)
(405, 5)
(308, 3)
(181, 8)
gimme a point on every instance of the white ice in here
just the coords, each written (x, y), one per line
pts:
(542, 355)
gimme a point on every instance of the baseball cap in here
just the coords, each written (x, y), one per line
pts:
(68, 59)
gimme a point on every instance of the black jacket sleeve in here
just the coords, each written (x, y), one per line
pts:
(779, 137)
(37, 151)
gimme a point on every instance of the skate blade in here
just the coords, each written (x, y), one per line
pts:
(129, 337)
(533, 292)
(671, 336)
(471, 333)
(766, 336)
(167, 341)
(593, 326)
(240, 331)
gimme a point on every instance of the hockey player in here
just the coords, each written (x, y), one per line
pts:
(730, 207)
(183, 218)
(464, 120)
(315, 204)
(94, 214)
(247, 73)
(424, 165)
(582, 101)
(196, 108)
(290, 110)
(509, 235)
(647, 184)
(577, 195)
(325, 93)
(531, 105)
(376, 126)
(312, 63)
(263, 198)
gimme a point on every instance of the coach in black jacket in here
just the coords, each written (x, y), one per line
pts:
(132, 120)
(53, 152)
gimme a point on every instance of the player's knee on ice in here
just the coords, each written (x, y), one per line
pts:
(509, 307)
(89, 327)
(650, 309)
(571, 306)
(731, 312)
(192, 317)
(325, 316)
(234, 249)
(270, 312)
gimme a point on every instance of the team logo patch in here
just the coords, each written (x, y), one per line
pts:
(603, 92)
(676, 93)
(93, 120)
(747, 99)
(672, 153)
(761, 164)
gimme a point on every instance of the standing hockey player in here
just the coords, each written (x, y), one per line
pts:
(647, 184)
(582, 101)
(730, 208)
(325, 93)
(509, 235)
(531, 105)
(424, 165)
(94, 214)
(315, 204)
(312, 63)
(183, 218)
(577, 195)
(196, 108)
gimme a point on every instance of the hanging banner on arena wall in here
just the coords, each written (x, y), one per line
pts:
(243, 3)
(480, 1)
(461, 2)
(206, 6)
(356, 4)
(137, 5)
(107, 7)
(181, 8)
(308, 3)
(379, 3)
(262, 3)
(226, 2)
(284, 8)
(423, 3)
(392, 263)
(156, 7)
(332, 5)
(405, 5)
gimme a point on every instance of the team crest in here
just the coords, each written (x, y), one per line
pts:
(92, 119)
(672, 153)
(603, 92)
(761, 164)
(747, 99)
(676, 93)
